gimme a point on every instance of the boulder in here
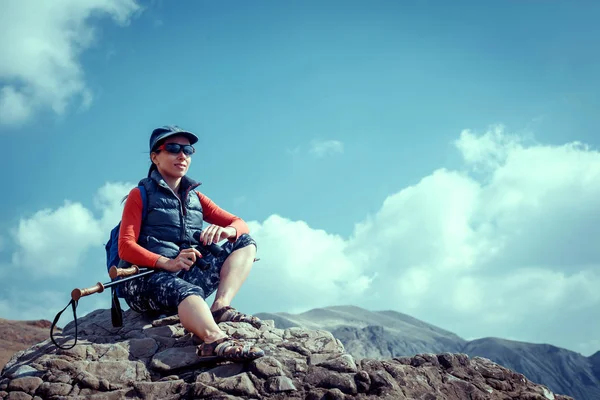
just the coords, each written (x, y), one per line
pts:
(156, 359)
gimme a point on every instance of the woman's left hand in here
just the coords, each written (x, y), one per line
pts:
(215, 233)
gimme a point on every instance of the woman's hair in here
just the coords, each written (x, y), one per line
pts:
(152, 168)
(154, 150)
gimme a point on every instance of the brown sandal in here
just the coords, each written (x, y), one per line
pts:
(228, 349)
(230, 314)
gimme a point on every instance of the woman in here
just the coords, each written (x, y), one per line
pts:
(165, 240)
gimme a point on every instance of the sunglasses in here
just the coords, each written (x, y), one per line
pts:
(175, 148)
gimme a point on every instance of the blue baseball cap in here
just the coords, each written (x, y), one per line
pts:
(164, 132)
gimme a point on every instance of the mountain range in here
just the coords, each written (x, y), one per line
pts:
(388, 334)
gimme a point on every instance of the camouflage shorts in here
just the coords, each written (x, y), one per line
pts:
(163, 291)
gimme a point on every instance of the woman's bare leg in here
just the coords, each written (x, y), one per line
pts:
(234, 272)
(195, 316)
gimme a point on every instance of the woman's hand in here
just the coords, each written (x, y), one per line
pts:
(184, 260)
(215, 233)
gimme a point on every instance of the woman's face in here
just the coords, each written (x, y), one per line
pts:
(172, 165)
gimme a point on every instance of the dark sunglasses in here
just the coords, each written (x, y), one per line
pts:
(175, 148)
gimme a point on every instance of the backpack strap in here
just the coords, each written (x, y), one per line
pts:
(142, 190)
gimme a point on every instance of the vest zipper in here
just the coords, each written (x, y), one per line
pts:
(183, 202)
(182, 210)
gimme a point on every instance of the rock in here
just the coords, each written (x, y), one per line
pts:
(174, 358)
(277, 384)
(28, 384)
(18, 396)
(150, 359)
(324, 378)
(163, 390)
(341, 363)
(267, 367)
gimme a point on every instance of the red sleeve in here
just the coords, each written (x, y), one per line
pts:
(213, 214)
(129, 249)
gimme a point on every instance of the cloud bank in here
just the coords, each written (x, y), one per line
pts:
(508, 242)
(40, 44)
(56, 242)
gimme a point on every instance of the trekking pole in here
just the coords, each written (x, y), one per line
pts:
(125, 274)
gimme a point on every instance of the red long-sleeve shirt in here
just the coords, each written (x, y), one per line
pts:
(131, 222)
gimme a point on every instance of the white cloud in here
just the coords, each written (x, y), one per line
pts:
(55, 242)
(488, 150)
(109, 201)
(307, 264)
(40, 44)
(327, 147)
(499, 253)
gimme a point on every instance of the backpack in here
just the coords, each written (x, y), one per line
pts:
(112, 258)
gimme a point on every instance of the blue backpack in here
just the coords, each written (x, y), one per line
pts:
(112, 246)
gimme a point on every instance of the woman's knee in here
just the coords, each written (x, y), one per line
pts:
(244, 254)
(193, 294)
(245, 240)
(246, 244)
(190, 299)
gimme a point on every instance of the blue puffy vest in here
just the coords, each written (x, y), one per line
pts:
(169, 223)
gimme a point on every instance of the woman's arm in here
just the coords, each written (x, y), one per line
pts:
(213, 214)
(131, 221)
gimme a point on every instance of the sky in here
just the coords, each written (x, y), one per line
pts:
(433, 158)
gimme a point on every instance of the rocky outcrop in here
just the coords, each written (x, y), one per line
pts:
(559, 369)
(387, 334)
(155, 359)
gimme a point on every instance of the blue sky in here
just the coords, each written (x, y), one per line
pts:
(400, 150)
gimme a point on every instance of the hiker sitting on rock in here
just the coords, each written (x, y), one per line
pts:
(165, 240)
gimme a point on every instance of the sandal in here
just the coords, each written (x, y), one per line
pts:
(228, 349)
(230, 314)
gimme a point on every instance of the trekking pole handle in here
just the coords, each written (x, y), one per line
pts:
(115, 272)
(76, 294)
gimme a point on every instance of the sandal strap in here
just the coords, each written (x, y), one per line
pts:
(221, 349)
(229, 348)
(236, 316)
(208, 349)
(246, 350)
(218, 314)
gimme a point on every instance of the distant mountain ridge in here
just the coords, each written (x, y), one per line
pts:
(385, 334)
(19, 335)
